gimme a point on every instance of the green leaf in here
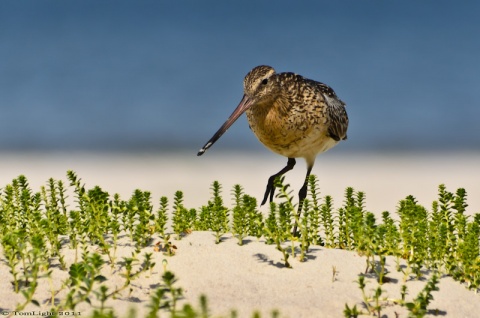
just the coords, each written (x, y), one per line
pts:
(100, 278)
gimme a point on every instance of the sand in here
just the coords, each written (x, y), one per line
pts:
(252, 277)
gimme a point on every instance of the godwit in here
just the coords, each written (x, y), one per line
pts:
(291, 115)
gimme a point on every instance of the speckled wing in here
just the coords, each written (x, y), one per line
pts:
(337, 115)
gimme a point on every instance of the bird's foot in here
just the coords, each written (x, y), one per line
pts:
(270, 191)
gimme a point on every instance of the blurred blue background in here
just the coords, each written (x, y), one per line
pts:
(158, 75)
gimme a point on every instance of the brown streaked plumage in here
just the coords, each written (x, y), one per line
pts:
(291, 115)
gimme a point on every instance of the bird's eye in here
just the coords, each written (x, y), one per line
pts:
(265, 81)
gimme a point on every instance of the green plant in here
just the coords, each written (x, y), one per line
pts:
(414, 238)
(240, 220)
(130, 274)
(183, 219)
(373, 303)
(33, 265)
(352, 312)
(173, 293)
(327, 221)
(247, 220)
(314, 212)
(141, 208)
(117, 209)
(218, 213)
(418, 307)
(275, 233)
(162, 217)
(287, 218)
(12, 246)
(83, 278)
(55, 220)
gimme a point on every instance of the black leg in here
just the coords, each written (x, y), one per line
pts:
(271, 186)
(302, 194)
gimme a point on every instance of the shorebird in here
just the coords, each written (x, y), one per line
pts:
(291, 115)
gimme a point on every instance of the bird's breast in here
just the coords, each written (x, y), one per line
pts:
(288, 130)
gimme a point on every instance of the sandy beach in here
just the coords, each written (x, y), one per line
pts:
(251, 277)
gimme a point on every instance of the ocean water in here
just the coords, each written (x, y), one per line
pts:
(157, 75)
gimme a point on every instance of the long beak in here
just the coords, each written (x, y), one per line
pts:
(245, 103)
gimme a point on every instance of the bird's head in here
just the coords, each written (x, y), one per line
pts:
(257, 84)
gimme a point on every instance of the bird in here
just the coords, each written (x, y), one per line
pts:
(291, 115)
